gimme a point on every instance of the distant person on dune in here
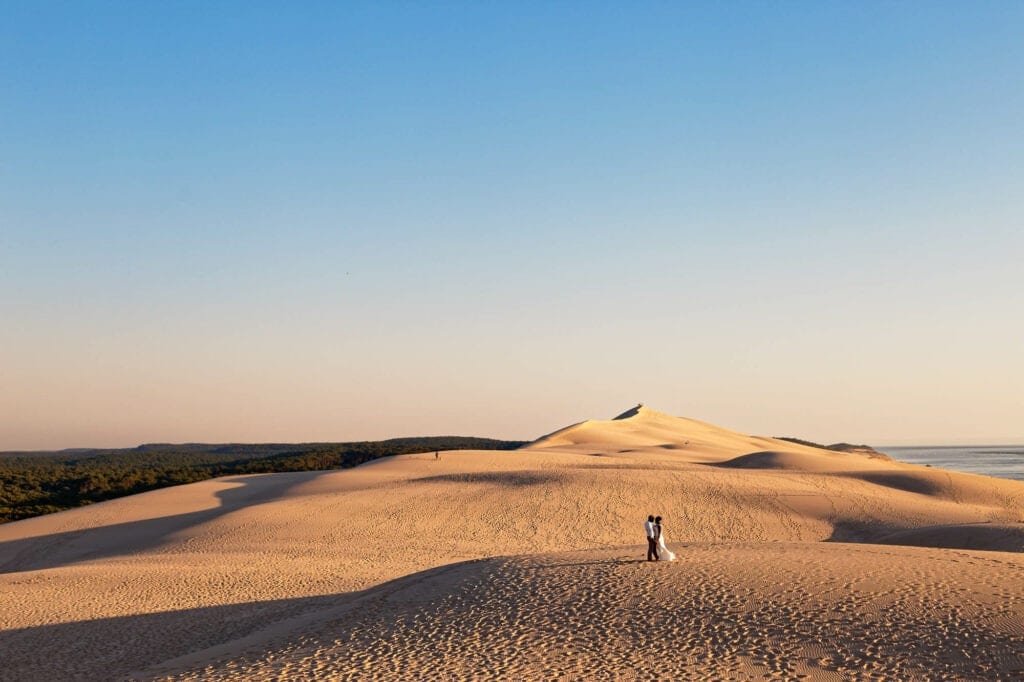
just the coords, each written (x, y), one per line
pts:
(652, 539)
(662, 550)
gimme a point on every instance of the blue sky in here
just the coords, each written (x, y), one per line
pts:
(256, 221)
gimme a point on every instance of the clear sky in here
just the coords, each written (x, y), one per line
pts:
(298, 221)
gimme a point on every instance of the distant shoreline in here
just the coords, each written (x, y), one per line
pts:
(999, 461)
(885, 448)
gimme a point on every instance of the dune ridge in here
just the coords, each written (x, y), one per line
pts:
(719, 613)
(253, 577)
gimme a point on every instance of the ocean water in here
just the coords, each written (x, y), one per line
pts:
(1002, 461)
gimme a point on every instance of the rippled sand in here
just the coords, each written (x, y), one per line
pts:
(528, 564)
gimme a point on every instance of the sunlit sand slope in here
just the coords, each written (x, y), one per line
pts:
(122, 586)
(724, 612)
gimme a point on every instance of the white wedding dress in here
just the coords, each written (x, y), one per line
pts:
(664, 553)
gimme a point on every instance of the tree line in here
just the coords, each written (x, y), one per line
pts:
(35, 483)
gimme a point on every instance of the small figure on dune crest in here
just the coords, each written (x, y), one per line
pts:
(656, 549)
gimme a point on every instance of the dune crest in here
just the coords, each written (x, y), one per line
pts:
(642, 428)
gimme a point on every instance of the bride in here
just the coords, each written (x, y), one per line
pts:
(664, 553)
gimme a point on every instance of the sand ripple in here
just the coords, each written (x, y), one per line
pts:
(729, 612)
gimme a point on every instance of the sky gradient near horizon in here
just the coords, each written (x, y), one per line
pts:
(341, 221)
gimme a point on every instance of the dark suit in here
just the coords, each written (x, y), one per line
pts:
(652, 543)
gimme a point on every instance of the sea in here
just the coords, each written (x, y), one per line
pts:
(1001, 461)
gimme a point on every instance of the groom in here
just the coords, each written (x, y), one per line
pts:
(652, 539)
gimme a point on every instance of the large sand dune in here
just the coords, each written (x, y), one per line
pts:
(523, 564)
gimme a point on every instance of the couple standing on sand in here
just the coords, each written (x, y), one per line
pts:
(656, 548)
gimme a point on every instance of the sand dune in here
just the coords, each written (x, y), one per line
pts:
(257, 576)
(724, 612)
(799, 461)
(988, 536)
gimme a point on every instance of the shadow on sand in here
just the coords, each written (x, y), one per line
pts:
(610, 562)
(61, 549)
(119, 647)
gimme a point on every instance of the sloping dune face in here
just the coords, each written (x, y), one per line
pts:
(719, 613)
(222, 572)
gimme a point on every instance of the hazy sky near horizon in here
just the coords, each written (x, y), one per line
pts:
(338, 221)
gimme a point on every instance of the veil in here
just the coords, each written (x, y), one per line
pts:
(664, 552)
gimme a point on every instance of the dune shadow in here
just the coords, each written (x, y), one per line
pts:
(625, 555)
(142, 640)
(982, 535)
(514, 479)
(620, 466)
(606, 562)
(119, 647)
(69, 547)
(764, 459)
(862, 532)
(906, 482)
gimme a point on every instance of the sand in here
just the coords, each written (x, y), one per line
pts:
(793, 562)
